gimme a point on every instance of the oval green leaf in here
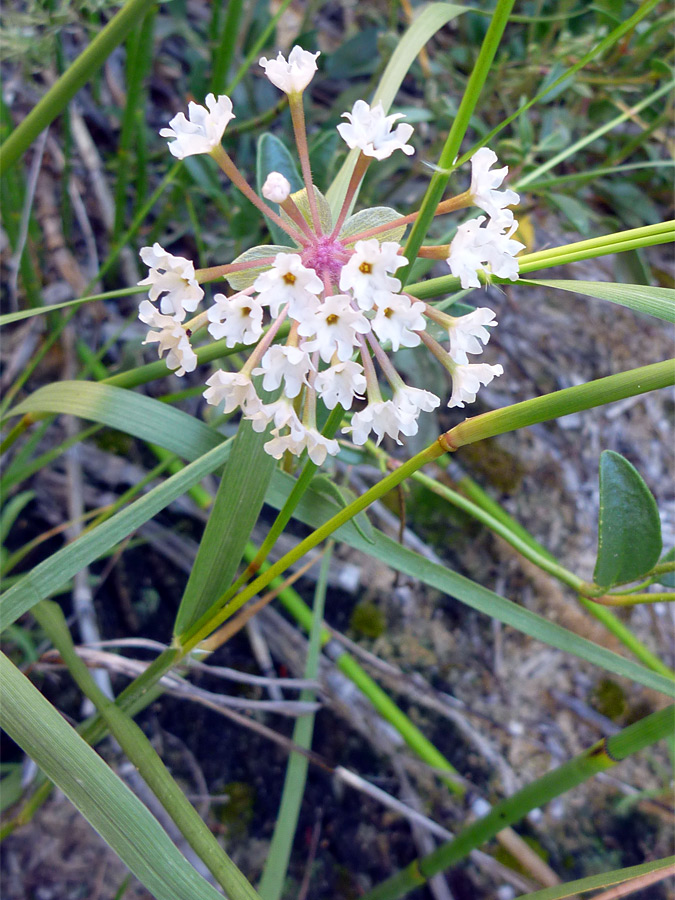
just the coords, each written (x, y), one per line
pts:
(629, 528)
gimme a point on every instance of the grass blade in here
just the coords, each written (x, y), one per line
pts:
(235, 511)
(135, 414)
(102, 798)
(430, 20)
(606, 879)
(598, 758)
(75, 76)
(652, 301)
(48, 577)
(276, 865)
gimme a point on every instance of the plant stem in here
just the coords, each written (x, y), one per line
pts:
(598, 758)
(235, 176)
(144, 757)
(446, 162)
(75, 76)
(300, 131)
(360, 168)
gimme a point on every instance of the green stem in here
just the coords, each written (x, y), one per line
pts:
(497, 513)
(75, 76)
(598, 758)
(594, 135)
(519, 415)
(632, 599)
(623, 29)
(276, 865)
(144, 757)
(446, 162)
(560, 403)
(648, 236)
(285, 513)
(381, 701)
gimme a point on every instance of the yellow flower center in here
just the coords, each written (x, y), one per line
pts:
(332, 319)
(366, 268)
(289, 278)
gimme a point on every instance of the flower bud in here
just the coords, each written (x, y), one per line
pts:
(276, 188)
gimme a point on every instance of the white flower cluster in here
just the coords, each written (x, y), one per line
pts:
(335, 296)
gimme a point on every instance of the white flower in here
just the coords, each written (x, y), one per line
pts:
(412, 400)
(466, 253)
(171, 337)
(340, 384)
(397, 319)
(371, 131)
(488, 249)
(203, 130)
(290, 364)
(280, 412)
(467, 332)
(500, 249)
(368, 270)
(276, 188)
(382, 417)
(237, 318)
(467, 379)
(484, 186)
(172, 278)
(288, 281)
(294, 75)
(293, 442)
(318, 446)
(235, 388)
(334, 325)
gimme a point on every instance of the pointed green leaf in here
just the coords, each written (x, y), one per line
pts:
(301, 201)
(605, 879)
(50, 576)
(240, 280)
(135, 414)
(629, 528)
(235, 511)
(652, 301)
(366, 219)
(314, 510)
(102, 798)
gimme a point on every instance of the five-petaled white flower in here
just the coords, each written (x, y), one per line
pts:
(490, 249)
(484, 184)
(293, 75)
(334, 325)
(340, 384)
(383, 417)
(277, 188)
(500, 249)
(288, 281)
(171, 337)
(238, 319)
(370, 130)
(235, 389)
(369, 270)
(173, 279)
(413, 401)
(467, 379)
(397, 319)
(203, 130)
(288, 364)
(469, 333)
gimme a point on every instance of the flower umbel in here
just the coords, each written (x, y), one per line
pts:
(334, 290)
